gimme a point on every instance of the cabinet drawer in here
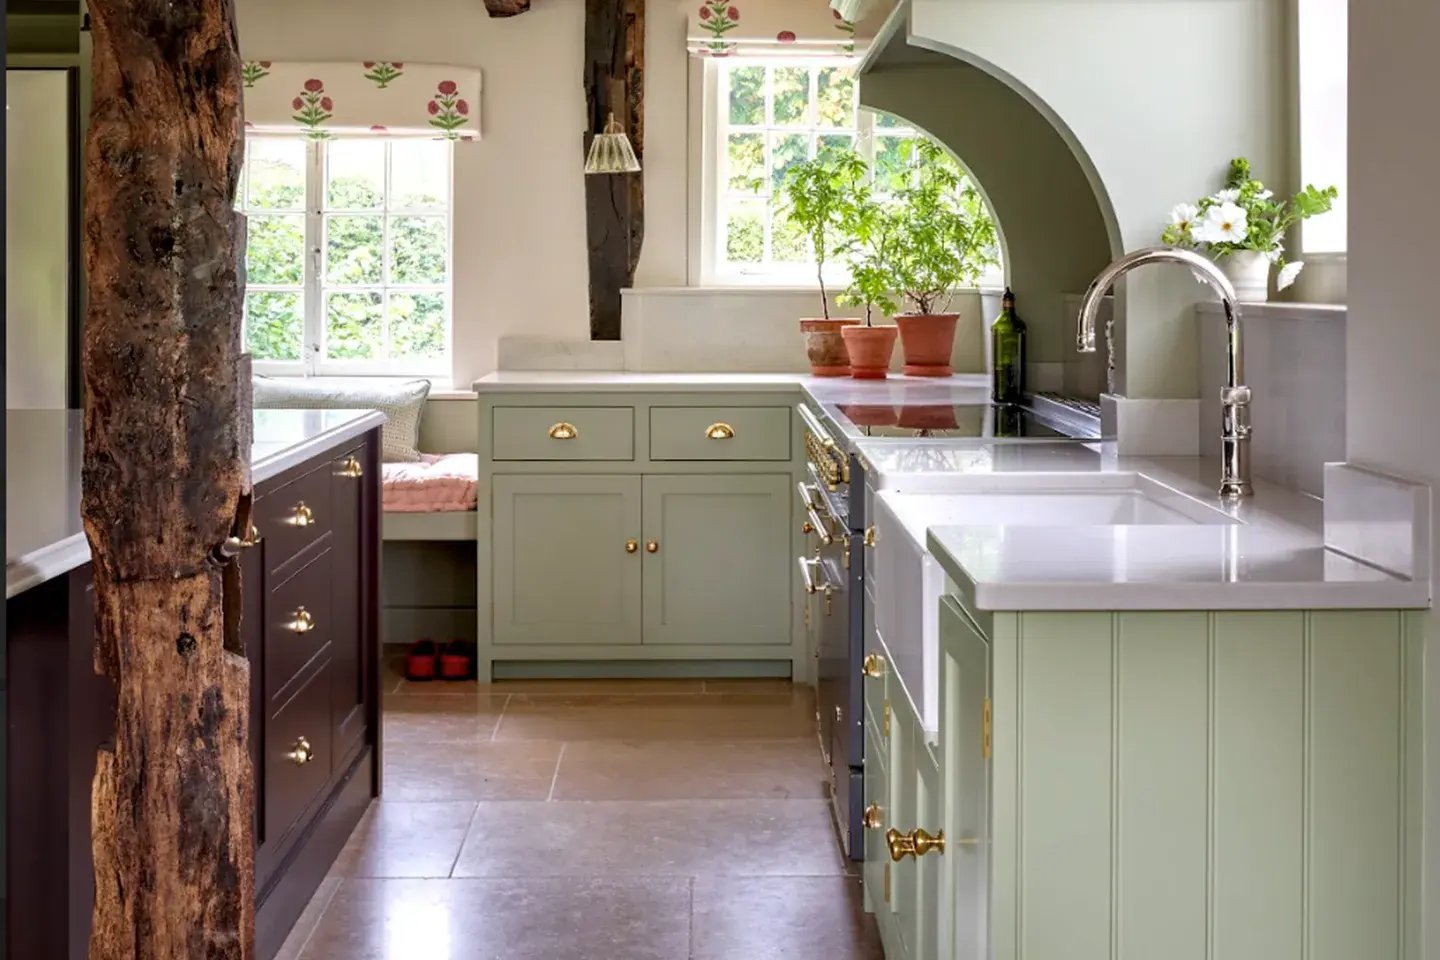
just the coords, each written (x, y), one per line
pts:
(564, 433)
(298, 626)
(294, 515)
(720, 433)
(297, 754)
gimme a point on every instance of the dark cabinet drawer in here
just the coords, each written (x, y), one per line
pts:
(294, 515)
(297, 754)
(348, 651)
(298, 626)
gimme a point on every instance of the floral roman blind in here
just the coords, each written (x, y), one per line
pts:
(782, 28)
(323, 100)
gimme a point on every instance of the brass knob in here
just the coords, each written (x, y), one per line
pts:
(302, 515)
(563, 431)
(632, 545)
(873, 665)
(870, 537)
(301, 754)
(807, 527)
(720, 431)
(873, 817)
(839, 714)
(304, 622)
(252, 538)
(351, 468)
(916, 843)
(652, 546)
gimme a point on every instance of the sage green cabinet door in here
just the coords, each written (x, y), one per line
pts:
(965, 763)
(563, 573)
(720, 569)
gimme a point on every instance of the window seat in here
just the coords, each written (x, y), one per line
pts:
(433, 499)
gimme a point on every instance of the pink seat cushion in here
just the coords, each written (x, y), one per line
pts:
(435, 483)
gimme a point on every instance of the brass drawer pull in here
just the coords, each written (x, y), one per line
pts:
(252, 538)
(916, 843)
(632, 545)
(351, 468)
(304, 621)
(873, 665)
(301, 754)
(652, 546)
(873, 817)
(720, 431)
(301, 516)
(563, 431)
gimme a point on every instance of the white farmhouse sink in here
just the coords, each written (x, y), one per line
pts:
(907, 583)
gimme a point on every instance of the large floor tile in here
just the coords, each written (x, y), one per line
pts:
(781, 918)
(651, 838)
(397, 839)
(309, 920)
(516, 919)
(754, 685)
(480, 770)
(631, 687)
(418, 716)
(657, 717)
(686, 770)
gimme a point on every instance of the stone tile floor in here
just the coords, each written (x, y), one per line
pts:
(613, 820)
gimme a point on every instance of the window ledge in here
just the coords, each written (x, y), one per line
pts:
(767, 289)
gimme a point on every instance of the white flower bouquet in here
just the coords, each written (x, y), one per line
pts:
(1245, 217)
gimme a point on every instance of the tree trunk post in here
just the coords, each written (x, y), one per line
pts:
(166, 470)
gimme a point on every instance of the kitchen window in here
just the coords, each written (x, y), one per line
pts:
(761, 117)
(1324, 140)
(348, 255)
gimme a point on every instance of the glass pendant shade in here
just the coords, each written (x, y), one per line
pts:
(611, 152)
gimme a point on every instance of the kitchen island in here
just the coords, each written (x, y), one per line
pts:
(309, 624)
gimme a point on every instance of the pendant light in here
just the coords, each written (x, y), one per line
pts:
(610, 151)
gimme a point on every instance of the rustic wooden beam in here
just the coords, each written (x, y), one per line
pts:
(506, 8)
(614, 203)
(166, 469)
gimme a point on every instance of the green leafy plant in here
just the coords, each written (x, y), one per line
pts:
(944, 235)
(1246, 216)
(872, 228)
(819, 194)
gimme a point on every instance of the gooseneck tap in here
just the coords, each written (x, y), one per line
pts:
(1234, 397)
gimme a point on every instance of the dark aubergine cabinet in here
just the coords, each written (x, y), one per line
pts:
(310, 602)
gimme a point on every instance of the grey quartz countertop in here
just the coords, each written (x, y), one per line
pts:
(43, 534)
(832, 390)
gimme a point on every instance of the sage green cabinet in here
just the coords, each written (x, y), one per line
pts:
(720, 568)
(564, 570)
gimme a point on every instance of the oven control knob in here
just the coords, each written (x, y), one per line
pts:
(873, 665)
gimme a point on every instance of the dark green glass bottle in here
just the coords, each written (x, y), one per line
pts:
(1007, 354)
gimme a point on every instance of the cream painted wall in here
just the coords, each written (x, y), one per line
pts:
(1159, 95)
(519, 216)
(1393, 339)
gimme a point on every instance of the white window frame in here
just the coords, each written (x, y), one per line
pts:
(314, 291)
(714, 271)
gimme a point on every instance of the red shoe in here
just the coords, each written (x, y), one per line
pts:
(420, 662)
(456, 662)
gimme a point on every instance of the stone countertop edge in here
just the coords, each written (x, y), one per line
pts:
(268, 458)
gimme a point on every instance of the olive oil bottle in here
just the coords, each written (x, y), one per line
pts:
(1007, 354)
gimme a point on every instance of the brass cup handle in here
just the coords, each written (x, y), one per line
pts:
(652, 546)
(302, 515)
(720, 431)
(304, 621)
(563, 431)
(873, 817)
(873, 665)
(916, 843)
(632, 545)
(351, 468)
(301, 754)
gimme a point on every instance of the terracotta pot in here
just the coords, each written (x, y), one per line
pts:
(870, 349)
(928, 416)
(825, 347)
(927, 340)
(869, 414)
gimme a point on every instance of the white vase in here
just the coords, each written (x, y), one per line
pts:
(1249, 273)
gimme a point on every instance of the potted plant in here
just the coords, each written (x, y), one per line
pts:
(818, 193)
(871, 230)
(1242, 228)
(946, 238)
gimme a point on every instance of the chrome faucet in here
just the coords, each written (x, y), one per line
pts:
(1235, 397)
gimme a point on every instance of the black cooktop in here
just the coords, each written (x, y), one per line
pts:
(952, 421)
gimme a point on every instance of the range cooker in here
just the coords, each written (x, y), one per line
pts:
(833, 575)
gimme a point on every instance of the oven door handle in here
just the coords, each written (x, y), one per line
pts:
(822, 529)
(812, 423)
(814, 584)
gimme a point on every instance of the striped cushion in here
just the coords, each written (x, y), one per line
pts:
(401, 402)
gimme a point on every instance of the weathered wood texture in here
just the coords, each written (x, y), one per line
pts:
(166, 462)
(614, 203)
(506, 8)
